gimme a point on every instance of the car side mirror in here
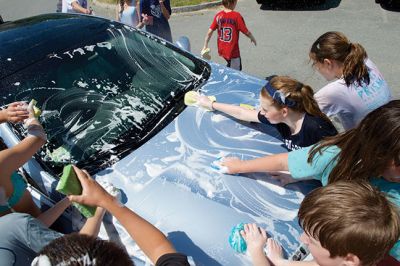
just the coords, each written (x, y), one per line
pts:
(183, 42)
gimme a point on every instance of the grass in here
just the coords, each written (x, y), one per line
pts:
(174, 3)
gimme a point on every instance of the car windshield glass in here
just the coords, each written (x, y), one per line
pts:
(104, 96)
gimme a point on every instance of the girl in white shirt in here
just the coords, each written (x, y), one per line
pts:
(128, 12)
(358, 88)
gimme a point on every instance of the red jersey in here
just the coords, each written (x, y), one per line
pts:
(229, 24)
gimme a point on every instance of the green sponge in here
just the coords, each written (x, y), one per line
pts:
(69, 185)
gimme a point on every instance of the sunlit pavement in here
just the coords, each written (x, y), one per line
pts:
(283, 36)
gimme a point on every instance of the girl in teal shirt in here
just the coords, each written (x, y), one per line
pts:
(370, 151)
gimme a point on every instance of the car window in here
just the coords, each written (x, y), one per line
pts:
(104, 96)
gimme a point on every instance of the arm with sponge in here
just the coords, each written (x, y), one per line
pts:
(151, 240)
(14, 157)
(239, 112)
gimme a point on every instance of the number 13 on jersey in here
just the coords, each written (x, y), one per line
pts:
(225, 34)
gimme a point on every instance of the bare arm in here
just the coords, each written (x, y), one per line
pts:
(271, 163)
(251, 37)
(237, 112)
(207, 39)
(164, 10)
(13, 158)
(51, 215)
(153, 243)
(296, 263)
(151, 240)
(92, 225)
(78, 8)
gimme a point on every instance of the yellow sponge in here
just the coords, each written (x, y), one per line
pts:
(36, 111)
(206, 54)
(190, 98)
(247, 106)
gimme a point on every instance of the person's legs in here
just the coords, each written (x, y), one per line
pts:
(22, 236)
(235, 63)
(228, 63)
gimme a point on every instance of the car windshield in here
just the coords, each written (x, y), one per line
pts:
(105, 96)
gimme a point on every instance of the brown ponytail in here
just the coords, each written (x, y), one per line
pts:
(335, 45)
(302, 95)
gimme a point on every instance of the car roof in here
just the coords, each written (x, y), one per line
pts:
(26, 41)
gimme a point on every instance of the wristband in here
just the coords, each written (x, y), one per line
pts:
(211, 105)
(37, 131)
(29, 121)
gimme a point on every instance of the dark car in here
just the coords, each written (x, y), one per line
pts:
(291, 2)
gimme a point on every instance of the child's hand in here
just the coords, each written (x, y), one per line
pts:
(145, 19)
(15, 112)
(232, 164)
(253, 40)
(92, 193)
(274, 252)
(255, 238)
(204, 102)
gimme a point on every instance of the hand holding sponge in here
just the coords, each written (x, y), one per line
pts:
(193, 98)
(33, 109)
(205, 53)
(69, 184)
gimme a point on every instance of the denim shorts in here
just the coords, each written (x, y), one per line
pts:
(22, 237)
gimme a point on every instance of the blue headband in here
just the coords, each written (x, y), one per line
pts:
(278, 96)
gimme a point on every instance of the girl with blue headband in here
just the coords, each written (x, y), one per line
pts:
(289, 106)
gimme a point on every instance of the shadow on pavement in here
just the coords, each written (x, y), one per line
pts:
(301, 5)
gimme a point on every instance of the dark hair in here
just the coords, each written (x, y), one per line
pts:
(335, 45)
(121, 5)
(228, 3)
(368, 149)
(301, 94)
(350, 217)
(75, 249)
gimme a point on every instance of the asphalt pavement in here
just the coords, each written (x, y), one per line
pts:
(284, 34)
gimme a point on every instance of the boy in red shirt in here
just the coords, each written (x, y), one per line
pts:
(229, 23)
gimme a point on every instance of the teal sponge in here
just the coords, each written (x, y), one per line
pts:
(236, 240)
(69, 185)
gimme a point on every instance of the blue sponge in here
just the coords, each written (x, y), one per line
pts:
(236, 241)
